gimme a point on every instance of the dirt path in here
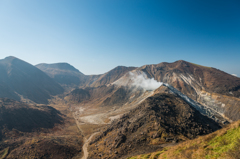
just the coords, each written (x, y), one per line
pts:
(85, 146)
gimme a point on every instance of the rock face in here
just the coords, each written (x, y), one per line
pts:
(208, 86)
(17, 118)
(214, 114)
(160, 119)
(22, 81)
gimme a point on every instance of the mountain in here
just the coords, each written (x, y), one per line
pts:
(124, 112)
(69, 77)
(17, 118)
(59, 147)
(63, 73)
(196, 77)
(30, 131)
(208, 86)
(111, 76)
(20, 80)
(224, 143)
(160, 119)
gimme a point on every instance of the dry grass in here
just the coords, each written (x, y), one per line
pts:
(4, 153)
(88, 129)
(224, 143)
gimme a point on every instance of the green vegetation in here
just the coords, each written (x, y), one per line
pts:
(224, 143)
(4, 153)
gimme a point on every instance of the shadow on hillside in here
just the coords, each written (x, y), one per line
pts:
(29, 119)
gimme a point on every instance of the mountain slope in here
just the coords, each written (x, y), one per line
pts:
(224, 143)
(160, 119)
(63, 73)
(111, 76)
(30, 131)
(209, 86)
(200, 77)
(17, 118)
(20, 80)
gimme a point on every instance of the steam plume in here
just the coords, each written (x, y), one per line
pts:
(141, 80)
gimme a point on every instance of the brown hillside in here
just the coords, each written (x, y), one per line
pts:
(112, 76)
(207, 78)
(17, 118)
(208, 86)
(160, 119)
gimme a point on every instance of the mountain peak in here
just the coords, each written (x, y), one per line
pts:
(60, 66)
(9, 59)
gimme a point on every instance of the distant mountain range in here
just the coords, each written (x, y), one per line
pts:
(135, 108)
(20, 80)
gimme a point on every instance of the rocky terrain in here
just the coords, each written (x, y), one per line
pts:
(124, 112)
(18, 119)
(111, 76)
(63, 147)
(223, 143)
(31, 131)
(160, 119)
(208, 86)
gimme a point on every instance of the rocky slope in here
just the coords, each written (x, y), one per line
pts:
(208, 86)
(160, 119)
(30, 131)
(18, 119)
(111, 76)
(22, 81)
(63, 147)
(189, 78)
(224, 143)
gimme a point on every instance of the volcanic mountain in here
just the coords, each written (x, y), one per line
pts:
(160, 119)
(111, 76)
(188, 81)
(64, 74)
(20, 80)
(210, 87)
(136, 110)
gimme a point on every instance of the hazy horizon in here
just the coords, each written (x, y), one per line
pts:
(96, 36)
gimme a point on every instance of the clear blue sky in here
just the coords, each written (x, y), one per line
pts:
(97, 35)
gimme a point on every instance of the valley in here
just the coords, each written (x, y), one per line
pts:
(127, 111)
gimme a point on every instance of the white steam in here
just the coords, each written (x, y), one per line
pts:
(141, 80)
(234, 75)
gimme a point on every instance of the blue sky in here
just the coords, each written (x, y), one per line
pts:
(97, 35)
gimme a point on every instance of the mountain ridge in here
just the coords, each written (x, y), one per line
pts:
(23, 80)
